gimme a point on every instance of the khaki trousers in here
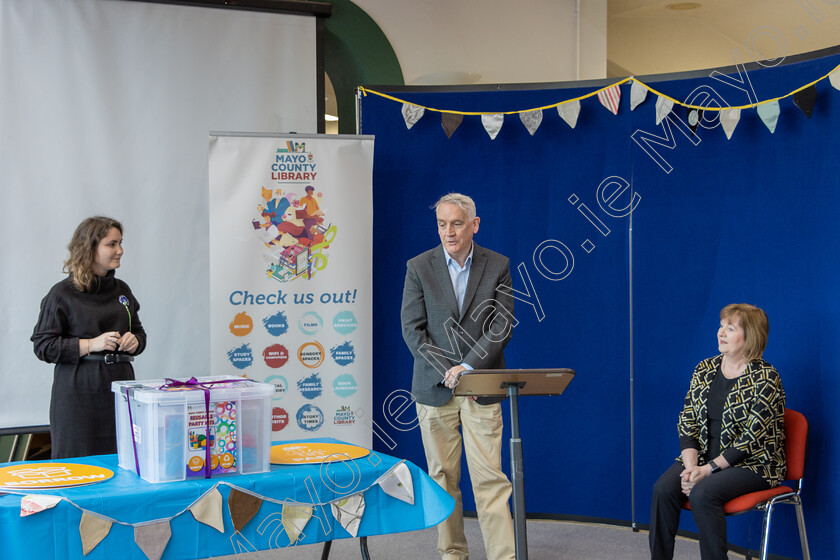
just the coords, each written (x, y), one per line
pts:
(482, 439)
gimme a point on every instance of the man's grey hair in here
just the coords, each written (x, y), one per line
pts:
(462, 201)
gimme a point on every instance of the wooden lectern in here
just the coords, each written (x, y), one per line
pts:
(513, 383)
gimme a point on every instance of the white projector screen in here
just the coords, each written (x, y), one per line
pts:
(105, 108)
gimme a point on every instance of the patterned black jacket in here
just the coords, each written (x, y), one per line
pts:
(753, 417)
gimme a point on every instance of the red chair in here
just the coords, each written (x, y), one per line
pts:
(796, 442)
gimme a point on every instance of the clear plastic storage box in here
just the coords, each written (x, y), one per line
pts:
(169, 428)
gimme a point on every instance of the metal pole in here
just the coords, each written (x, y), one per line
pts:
(517, 476)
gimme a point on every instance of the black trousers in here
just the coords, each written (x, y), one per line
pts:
(707, 499)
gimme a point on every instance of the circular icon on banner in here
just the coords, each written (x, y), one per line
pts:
(51, 475)
(343, 354)
(280, 386)
(310, 387)
(279, 419)
(276, 324)
(241, 357)
(310, 418)
(276, 356)
(345, 322)
(241, 325)
(311, 354)
(310, 323)
(345, 385)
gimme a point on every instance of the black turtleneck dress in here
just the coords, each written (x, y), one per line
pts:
(82, 419)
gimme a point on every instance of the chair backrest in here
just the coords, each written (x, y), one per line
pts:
(796, 443)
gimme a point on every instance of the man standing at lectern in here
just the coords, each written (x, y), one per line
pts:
(454, 319)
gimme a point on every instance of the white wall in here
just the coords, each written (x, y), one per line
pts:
(492, 41)
(105, 108)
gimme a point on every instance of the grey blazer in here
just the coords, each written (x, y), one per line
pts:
(440, 337)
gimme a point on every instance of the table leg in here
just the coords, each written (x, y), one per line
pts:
(363, 546)
(325, 553)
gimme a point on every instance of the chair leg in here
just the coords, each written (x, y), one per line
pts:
(363, 546)
(765, 531)
(803, 536)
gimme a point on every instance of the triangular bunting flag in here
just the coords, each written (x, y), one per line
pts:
(610, 98)
(36, 503)
(663, 108)
(638, 93)
(295, 518)
(729, 120)
(834, 78)
(694, 116)
(208, 510)
(153, 538)
(569, 112)
(769, 113)
(412, 114)
(348, 512)
(397, 483)
(805, 100)
(243, 507)
(492, 124)
(531, 120)
(450, 122)
(92, 529)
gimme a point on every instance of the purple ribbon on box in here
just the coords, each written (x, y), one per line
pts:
(193, 383)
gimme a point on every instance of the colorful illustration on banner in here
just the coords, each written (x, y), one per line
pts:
(276, 324)
(279, 419)
(293, 224)
(311, 354)
(241, 325)
(310, 323)
(241, 357)
(310, 387)
(345, 322)
(345, 386)
(343, 354)
(310, 418)
(276, 356)
(344, 416)
(281, 386)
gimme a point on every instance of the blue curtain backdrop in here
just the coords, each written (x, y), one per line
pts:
(630, 300)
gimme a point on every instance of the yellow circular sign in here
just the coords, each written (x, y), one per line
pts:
(51, 475)
(309, 453)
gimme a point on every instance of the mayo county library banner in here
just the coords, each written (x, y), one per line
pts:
(290, 276)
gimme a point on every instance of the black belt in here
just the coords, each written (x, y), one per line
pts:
(109, 358)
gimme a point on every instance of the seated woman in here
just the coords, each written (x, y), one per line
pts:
(731, 432)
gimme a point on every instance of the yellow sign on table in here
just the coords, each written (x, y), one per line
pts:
(309, 453)
(31, 476)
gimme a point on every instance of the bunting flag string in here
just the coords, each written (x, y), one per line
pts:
(152, 536)
(92, 530)
(769, 113)
(609, 96)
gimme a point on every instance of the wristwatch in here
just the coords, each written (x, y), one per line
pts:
(714, 466)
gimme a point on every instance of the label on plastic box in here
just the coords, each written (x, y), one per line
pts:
(222, 442)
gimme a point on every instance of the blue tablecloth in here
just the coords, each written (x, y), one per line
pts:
(130, 500)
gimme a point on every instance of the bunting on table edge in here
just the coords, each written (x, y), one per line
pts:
(152, 536)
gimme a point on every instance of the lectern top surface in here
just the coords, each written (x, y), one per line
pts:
(495, 382)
